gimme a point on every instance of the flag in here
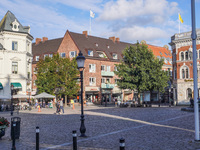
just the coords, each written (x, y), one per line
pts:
(181, 20)
(92, 14)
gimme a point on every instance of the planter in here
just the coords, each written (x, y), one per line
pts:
(2, 132)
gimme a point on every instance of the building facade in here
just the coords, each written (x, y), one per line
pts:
(15, 56)
(100, 82)
(183, 66)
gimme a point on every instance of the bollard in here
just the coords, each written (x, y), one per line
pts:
(74, 139)
(37, 138)
(122, 144)
(13, 136)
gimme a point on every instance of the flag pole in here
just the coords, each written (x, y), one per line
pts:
(90, 25)
(196, 104)
(179, 23)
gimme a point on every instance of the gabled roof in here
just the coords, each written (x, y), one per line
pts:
(106, 45)
(161, 52)
(46, 47)
(6, 23)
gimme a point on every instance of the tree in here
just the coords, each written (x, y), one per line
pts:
(139, 70)
(57, 75)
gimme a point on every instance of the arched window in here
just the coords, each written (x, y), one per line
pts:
(186, 55)
(189, 93)
(182, 56)
(186, 73)
(190, 55)
(183, 74)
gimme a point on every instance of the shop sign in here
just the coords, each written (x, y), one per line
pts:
(92, 89)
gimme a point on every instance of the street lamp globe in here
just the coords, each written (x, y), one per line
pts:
(80, 60)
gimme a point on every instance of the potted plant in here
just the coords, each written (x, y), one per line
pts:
(4, 123)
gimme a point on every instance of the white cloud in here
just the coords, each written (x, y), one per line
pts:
(140, 33)
(134, 9)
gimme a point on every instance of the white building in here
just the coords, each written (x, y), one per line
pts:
(15, 56)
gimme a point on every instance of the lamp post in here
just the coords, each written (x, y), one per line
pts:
(80, 62)
(12, 89)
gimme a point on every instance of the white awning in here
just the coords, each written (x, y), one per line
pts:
(22, 96)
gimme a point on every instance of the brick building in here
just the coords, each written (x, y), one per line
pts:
(101, 56)
(183, 66)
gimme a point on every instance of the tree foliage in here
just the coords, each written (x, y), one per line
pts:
(140, 70)
(57, 75)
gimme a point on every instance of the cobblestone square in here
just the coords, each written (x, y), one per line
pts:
(153, 128)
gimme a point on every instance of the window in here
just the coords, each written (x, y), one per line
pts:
(108, 68)
(190, 55)
(189, 93)
(108, 80)
(90, 53)
(35, 70)
(116, 80)
(186, 55)
(114, 56)
(92, 67)
(28, 75)
(14, 67)
(37, 58)
(175, 73)
(34, 83)
(50, 55)
(185, 72)
(182, 56)
(103, 68)
(115, 68)
(45, 55)
(14, 46)
(102, 54)
(62, 55)
(72, 54)
(103, 80)
(199, 54)
(92, 81)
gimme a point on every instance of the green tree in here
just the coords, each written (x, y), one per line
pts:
(137, 69)
(57, 75)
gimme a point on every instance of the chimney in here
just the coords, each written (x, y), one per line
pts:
(117, 39)
(44, 39)
(112, 38)
(37, 40)
(86, 34)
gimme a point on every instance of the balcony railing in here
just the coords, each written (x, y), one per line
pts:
(107, 73)
(107, 86)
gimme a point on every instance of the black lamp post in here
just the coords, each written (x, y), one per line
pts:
(80, 62)
(12, 89)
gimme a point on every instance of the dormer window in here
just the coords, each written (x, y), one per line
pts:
(96, 44)
(90, 53)
(102, 54)
(160, 53)
(15, 26)
(114, 56)
(108, 46)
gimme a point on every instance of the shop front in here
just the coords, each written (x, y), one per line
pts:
(92, 94)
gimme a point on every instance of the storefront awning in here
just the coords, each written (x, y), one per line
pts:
(16, 85)
(1, 86)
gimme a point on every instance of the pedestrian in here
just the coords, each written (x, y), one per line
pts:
(115, 102)
(61, 105)
(58, 107)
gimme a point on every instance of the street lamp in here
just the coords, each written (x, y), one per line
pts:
(12, 89)
(80, 62)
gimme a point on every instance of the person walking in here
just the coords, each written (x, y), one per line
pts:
(58, 107)
(61, 105)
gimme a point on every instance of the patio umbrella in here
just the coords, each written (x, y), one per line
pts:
(44, 95)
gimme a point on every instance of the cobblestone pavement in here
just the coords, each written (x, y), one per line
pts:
(153, 128)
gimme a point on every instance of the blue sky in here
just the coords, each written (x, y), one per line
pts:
(154, 21)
